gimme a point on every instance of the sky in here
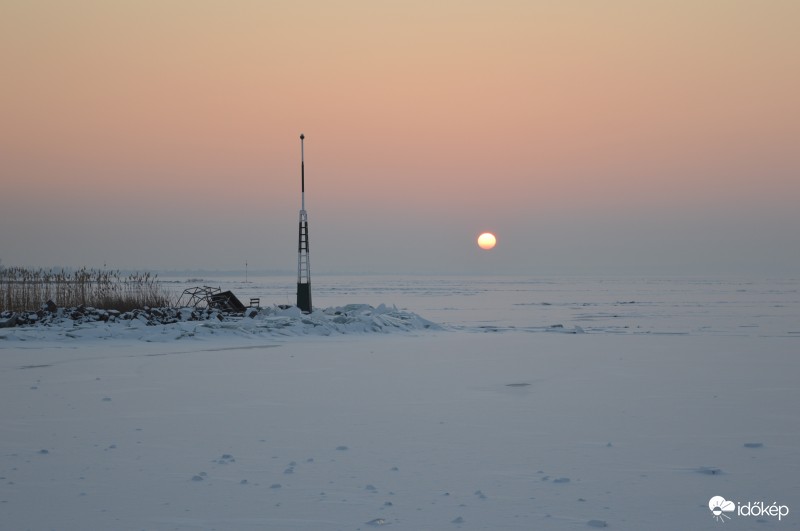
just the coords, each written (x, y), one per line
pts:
(619, 137)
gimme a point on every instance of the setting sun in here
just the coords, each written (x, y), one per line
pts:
(487, 241)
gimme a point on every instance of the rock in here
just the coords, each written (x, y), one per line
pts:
(9, 322)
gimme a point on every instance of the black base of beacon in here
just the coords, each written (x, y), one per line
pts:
(304, 297)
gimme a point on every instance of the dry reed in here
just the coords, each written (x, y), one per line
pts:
(23, 289)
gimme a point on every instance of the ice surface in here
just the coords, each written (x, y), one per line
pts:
(713, 306)
(421, 428)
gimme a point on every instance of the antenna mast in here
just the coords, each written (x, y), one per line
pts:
(303, 263)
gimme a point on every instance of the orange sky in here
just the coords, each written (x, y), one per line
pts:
(125, 124)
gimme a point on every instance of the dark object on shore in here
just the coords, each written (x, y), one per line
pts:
(226, 301)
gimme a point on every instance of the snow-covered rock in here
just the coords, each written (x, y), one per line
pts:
(157, 324)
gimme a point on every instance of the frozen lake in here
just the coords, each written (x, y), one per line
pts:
(677, 391)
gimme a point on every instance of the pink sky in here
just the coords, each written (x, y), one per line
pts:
(124, 126)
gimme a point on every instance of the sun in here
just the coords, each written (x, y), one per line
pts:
(487, 241)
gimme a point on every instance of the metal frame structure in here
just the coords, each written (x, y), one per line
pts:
(208, 297)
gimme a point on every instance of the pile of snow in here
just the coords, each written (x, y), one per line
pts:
(164, 324)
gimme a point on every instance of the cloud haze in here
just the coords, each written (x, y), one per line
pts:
(619, 137)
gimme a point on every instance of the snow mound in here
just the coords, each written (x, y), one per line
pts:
(167, 324)
(352, 318)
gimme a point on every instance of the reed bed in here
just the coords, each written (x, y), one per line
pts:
(23, 289)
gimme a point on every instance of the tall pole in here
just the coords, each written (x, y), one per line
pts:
(303, 259)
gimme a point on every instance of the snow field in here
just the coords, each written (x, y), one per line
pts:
(435, 430)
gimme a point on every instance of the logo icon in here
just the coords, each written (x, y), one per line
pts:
(719, 506)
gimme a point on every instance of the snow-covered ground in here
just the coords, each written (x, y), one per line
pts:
(677, 391)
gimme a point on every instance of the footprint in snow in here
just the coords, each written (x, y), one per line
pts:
(708, 470)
